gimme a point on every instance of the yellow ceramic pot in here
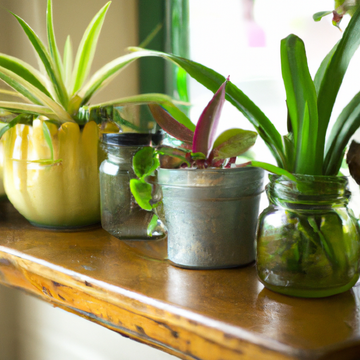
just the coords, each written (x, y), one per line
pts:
(61, 195)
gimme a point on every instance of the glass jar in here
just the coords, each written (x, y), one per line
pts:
(308, 242)
(121, 216)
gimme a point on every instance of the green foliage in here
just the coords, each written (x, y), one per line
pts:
(145, 162)
(310, 104)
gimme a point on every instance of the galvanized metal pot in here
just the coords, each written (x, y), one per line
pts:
(211, 215)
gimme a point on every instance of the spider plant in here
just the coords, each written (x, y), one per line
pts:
(61, 189)
(201, 149)
(62, 90)
(304, 150)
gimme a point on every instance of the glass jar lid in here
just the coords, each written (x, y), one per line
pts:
(132, 139)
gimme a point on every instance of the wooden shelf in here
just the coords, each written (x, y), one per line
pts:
(129, 287)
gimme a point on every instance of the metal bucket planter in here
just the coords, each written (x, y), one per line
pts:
(211, 215)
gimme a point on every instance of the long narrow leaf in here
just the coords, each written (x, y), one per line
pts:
(106, 74)
(87, 47)
(33, 93)
(68, 62)
(24, 70)
(17, 107)
(54, 51)
(170, 125)
(335, 71)
(302, 106)
(206, 127)
(22, 118)
(50, 68)
(213, 80)
(152, 98)
(48, 139)
(273, 169)
(344, 128)
(322, 69)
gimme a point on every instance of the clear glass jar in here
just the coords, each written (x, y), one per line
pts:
(308, 242)
(121, 216)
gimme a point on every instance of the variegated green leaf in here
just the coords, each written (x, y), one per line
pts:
(68, 62)
(18, 107)
(86, 50)
(54, 51)
(164, 100)
(32, 93)
(24, 70)
(105, 75)
(50, 68)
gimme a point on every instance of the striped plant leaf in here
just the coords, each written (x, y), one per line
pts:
(105, 75)
(32, 93)
(68, 62)
(86, 50)
(26, 108)
(24, 70)
(46, 60)
(152, 98)
(53, 49)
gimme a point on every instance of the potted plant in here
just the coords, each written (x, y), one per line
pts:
(51, 135)
(308, 242)
(209, 204)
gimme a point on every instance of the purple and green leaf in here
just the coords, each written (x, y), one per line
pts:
(232, 143)
(170, 125)
(205, 130)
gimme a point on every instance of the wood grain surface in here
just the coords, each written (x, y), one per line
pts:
(130, 287)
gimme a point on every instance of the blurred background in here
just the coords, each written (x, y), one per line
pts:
(240, 38)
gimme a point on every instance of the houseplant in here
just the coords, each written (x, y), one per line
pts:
(210, 205)
(341, 7)
(308, 241)
(51, 153)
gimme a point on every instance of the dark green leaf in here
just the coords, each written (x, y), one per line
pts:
(302, 106)
(335, 71)
(344, 128)
(142, 193)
